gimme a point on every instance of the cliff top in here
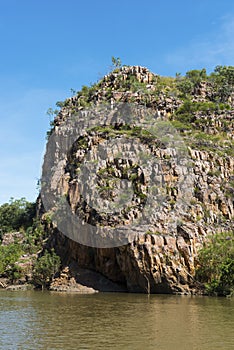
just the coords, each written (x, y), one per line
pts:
(199, 105)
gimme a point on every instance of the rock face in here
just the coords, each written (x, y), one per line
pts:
(162, 256)
(150, 264)
(85, 281)
(9, 238)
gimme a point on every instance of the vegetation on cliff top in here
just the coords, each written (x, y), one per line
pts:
(198, 97)
(219, 85)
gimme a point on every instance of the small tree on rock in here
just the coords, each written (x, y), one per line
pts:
(45, 268)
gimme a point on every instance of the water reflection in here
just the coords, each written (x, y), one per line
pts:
(36, 320)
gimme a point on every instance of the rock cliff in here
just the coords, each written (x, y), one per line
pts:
(161, 256)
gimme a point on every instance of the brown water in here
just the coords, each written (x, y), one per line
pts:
(43, 320)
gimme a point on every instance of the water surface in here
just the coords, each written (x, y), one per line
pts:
(43, 320)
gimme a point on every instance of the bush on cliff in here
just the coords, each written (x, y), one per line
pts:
(45, 268)
(223, 82)
(216, 264)
(9, 256)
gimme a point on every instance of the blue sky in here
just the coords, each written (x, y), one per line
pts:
(50, 46)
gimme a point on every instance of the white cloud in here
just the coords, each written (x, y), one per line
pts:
(216, 48)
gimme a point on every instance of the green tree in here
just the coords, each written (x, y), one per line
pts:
(225, 73)
(73, 91)
(185, 86)
(34, 237)
(116, 62)
(192, 79)
(196, 76)
(52, 113)
(9, 255)
(45, 268)
(16, 214)
(223, 82)
(216, 264)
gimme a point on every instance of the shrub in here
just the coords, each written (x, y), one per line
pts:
(45, 268)
(192, 79)
(223, 82)
(9, 255)
(196, 76)
(34, 237)
(216, 264)
(185, 86)
(116, 62)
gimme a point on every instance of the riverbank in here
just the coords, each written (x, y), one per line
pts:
(71, 280)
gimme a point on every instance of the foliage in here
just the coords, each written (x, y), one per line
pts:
(192, 79)
(219, 86)
(225, 73)
(9, 255)
(125, 129)
(216, 264)
(52, 112)
(185, 86)
(196, 76)
(223, 82)
(187, 111)
(16, 214)
(46, 267)
(116, 62)
(34, 237)
(181, 126)
(32, 241)
(135, 85)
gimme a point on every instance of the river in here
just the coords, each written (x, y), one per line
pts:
(44, 320)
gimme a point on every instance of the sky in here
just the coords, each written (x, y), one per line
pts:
(49, 47)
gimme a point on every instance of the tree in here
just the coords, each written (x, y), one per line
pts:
(225, 73)
(9, 255)
(16, 214)
(45, 268)
(192, 79)
(116, 62)
(185, 86)
(223, 82)
(196, 76)
(216, 264)
(73, 91)
(52, 113)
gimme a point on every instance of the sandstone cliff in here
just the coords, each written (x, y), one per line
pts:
(161, 256)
